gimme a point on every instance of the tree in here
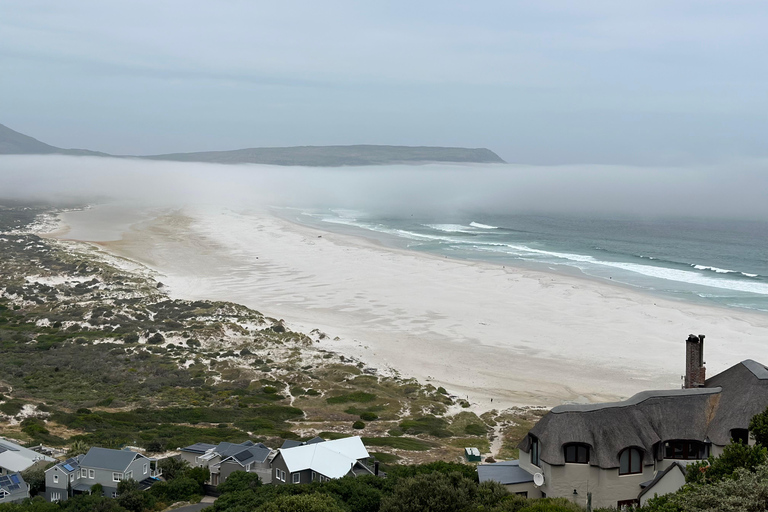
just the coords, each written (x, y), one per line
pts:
(239, 481)
(173, 468)
(199, 474)
(35, 477)
(431, 492)
(758, 426)
(734, 456)
(302, 503)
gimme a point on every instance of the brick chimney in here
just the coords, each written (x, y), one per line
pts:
(694, 362)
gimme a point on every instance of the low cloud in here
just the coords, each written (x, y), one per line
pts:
(734, 190)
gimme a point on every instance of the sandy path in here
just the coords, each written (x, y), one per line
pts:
(518, 337)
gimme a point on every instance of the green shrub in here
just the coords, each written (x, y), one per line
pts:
(369, 416)
(357, 396)
(358, 425)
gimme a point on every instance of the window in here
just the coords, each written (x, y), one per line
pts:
(114, 494)
(145, 468)
(55, 496)
(71, 477)
(128, 475)
(3, 493)
(524, 494)
(576, 454)
(630, 461)
(534, 450)
(116, 477)
(296, 478)
(91, 473)
(684, 450)
(740, 435)
(55, 479)
(627, 504)
(84, 473)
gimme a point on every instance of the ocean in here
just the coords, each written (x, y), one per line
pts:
(715, 262)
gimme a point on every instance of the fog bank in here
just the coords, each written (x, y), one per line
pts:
(735, 190)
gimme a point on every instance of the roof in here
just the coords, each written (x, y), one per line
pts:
(647, 486)
(290, 443)
(505, 472)
(728, 401)
(105, 458)
(198, 448)
(14, 457)
(12, 483)
(69, 465)
(333, 459)
(253, 454)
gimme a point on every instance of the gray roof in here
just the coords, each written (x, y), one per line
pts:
(105, 458)
(12, 483)
(505, 472)
(728, 401)
(198, 448)
(250, 455)
(647, 486)
(70, 465)
(290, 443)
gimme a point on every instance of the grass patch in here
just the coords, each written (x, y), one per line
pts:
(401, 443)
(431, 425)
(385, 458)
(357, 396)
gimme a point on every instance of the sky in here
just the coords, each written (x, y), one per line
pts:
(547, 82)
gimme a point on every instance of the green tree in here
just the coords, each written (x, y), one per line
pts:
(239, 481)
(302, 503)
(431, 492)
(758, 426)
(734, 456)
(199, 474)
(35, 477)
(173, 468)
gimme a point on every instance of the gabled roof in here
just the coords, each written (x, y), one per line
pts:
(198, 448)
(290, 443)
(253, 454)
(648, 486)
(12, 483)
(333, 459)
(505, 472)
(14, 457)
(112, 460)
(69, 465)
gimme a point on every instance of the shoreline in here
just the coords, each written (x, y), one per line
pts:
(511, 335)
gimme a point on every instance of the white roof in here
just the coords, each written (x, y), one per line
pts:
(333, 459)
(14, 457)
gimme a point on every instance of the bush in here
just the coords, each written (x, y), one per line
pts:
(358, 425)
(369, 416)
(357, 396)
(433, 492)
(734, 456)
(302, 503)
(239, 481)
(758, 426)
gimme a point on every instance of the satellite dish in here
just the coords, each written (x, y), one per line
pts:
(538, 479)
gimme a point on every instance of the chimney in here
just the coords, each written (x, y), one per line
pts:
(376, 468)
(694, 362)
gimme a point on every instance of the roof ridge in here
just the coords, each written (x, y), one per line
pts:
(636, 399)
(757, 369)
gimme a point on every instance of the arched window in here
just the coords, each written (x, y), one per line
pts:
(576, 453)
(534, 450)
(630, 461)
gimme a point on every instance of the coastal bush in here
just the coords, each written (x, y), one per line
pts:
(239, 481)
(358, 425)
(734, 456)
(431, 425)
(432, 492)
(357, 396)
(401, 443)
(368, 416)
(758, 427)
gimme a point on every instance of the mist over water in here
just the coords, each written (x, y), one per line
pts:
(694, 233)
(734, 190)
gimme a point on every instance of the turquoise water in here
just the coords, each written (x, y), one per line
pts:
(718, 262)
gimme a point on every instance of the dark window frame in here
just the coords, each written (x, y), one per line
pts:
(740, 435)
(627, 504)
(535, 449)
(684, 449)
(630, 451)
(576, 453)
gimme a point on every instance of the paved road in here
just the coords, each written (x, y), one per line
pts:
(193, 508)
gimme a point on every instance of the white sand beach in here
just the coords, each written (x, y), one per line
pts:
(501, 336)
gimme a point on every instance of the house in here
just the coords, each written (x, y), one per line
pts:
(13, 488)
(225, 458)
(320, 461)
(15, 458)
(626, 452)
(99, 466)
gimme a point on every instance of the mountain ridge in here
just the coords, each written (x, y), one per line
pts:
(15, 143)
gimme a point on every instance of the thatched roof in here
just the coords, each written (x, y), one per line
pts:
(728, 401)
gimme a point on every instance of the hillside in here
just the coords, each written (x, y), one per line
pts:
(15, 143)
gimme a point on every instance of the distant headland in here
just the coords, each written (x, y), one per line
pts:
(15, 143)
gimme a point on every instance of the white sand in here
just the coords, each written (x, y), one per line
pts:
(518, 337)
